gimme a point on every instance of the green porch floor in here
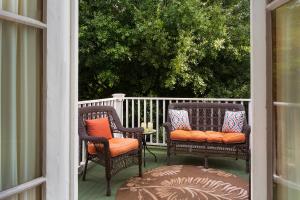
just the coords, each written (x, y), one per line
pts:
(94, 188)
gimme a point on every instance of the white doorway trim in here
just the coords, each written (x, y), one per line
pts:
(259, 170)
(61, 100)
(74, 148)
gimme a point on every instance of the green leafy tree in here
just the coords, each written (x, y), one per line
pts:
(184, 48)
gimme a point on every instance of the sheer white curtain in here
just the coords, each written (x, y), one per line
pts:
(20, 99)
(287, 97)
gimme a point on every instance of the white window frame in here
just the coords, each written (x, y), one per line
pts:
(261, 64)
(271, 160)
(60, 94)
(29, 22)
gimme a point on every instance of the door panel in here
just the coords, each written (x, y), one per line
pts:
(286, 100)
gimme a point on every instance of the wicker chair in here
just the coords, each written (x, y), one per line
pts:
(103, 156)
(208, 116)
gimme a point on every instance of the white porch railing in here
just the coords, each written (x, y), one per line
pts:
(154, 109)
(98, 102)
(135, 110)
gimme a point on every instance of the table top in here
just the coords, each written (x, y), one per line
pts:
(148, 132)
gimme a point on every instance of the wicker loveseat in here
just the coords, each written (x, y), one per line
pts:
(208, 117)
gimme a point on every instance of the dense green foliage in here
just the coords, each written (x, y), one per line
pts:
(183, 48)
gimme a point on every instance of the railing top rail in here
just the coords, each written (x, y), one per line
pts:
(165, 98)
(186, 99)
(96, 100)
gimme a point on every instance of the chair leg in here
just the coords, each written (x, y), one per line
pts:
(108, 186)
(175, 150)
(140, 164)
(85, 168)
(247, 165)
(168, 154)
(205, 162)
(108, 179)
(108, 169)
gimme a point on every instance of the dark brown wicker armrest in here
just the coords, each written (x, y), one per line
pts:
(136, 132)
(95, 140)
(131, 130)
(247, 131)
(168, 128)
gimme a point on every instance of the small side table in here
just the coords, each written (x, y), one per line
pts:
(145, 134)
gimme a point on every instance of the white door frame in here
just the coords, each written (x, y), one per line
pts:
(60, 94)
(259, 170)
(61, 105)
(260, 157)
(74, 149)
(261, 91)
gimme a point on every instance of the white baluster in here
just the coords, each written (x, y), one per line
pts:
(132, 113)
(157, 121)
(139, 112)
(151, 119)
(126, 114)
(164, 120)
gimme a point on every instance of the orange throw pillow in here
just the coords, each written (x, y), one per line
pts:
(99, 127)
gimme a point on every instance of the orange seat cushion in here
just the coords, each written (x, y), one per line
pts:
(99, 127)
(181, 135)
(198, 136)
(214, 136)
(230, 138)
(209, 136)
(117, 146)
